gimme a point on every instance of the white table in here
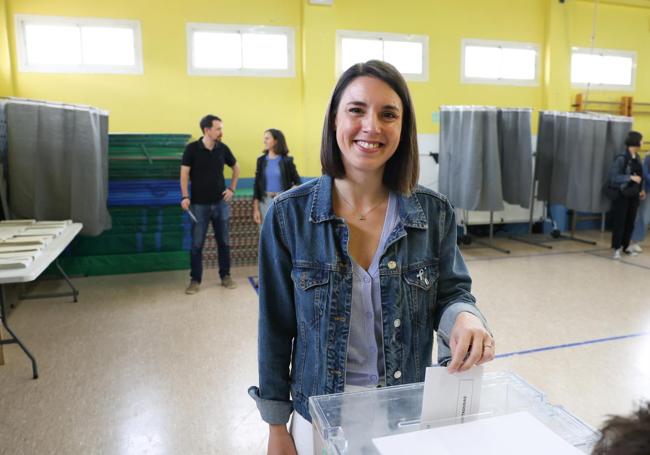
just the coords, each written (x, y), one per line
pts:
(49, 254)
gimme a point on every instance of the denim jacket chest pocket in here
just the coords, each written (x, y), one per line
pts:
(421, 286)
(311, 293)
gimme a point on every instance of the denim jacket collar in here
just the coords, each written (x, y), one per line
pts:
(410, 211)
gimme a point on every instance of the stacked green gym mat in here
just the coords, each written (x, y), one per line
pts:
(150, 232)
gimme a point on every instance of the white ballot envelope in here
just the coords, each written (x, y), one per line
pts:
(189, 212)
(449, 396)
(518, 433)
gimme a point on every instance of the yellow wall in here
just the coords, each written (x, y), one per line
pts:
(621, 28)
(446, 24)
(6, 80)
(166, 99)
(556, 49)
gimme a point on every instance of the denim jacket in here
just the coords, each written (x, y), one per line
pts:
(622, 168)
(305, 294)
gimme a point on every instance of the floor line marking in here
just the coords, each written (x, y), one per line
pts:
(572, 345)
(251, 280)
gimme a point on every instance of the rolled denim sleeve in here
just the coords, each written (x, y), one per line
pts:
(273, 412)
(277, 321)
(454, 286)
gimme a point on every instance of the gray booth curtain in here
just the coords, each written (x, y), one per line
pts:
(3, 160)
(574, 153)
(58, 163)
(516, 155)
(485, 157)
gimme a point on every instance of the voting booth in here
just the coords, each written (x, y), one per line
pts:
(511, 413)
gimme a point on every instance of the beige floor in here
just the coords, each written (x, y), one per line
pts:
(137, 367)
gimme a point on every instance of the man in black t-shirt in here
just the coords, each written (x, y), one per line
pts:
(203, 163)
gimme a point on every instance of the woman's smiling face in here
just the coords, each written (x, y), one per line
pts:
(368, 124)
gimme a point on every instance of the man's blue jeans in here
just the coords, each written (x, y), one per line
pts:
(218, 214)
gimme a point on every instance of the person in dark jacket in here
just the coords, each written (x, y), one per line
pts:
(626, 176)
(643, 214)
(275, 172)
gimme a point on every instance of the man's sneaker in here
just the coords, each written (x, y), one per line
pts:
(193, 288)
(228, 282)
(629, 252)
(634, 248)
(617, 254)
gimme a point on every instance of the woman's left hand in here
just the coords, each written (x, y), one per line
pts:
(471, 344)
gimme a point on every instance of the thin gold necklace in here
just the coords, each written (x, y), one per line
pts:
(360, 216)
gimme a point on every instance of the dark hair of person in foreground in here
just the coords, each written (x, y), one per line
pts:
(626, 435)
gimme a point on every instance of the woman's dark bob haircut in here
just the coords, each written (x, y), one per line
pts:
(280, 142)
(402, 169)
(633, 139)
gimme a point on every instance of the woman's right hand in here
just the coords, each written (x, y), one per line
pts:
(635, 178)
(257, 216)
(280, 441)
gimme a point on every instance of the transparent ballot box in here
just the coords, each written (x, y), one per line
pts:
(346, 423)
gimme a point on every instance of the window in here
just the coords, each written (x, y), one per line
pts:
(78, 45)
(408, 53)
(603, 69)
(240, 50)
(499, 62)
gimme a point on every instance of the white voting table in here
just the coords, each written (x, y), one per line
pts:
(49, 254)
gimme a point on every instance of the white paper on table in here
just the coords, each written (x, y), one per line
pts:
(30, 238)
(450, 396)
(516, 433)
(17, 248)
(17, 222)
(45, 230)
(19, 255)
(25, 241)
(63, 223)
(9, 232)
(6, 264)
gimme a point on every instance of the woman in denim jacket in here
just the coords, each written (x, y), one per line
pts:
(359, 267)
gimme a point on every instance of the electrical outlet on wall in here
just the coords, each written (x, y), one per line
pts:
(321, 2)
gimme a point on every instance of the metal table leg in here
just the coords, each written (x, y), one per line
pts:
(13, 338)
(74, 292)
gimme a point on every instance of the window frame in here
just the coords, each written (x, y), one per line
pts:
(422, 39)
(465, 42)
(289, 32)
(608, 53)
(21, 44)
